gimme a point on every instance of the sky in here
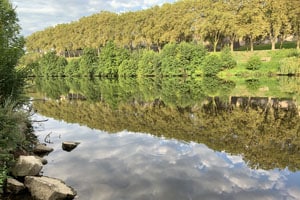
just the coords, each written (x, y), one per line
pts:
(35, 15)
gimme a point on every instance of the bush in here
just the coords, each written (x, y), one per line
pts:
(290, 66)
(211, 65)
(227, 60)
(52, 65)
(254, 63)
(149, 64)
(73, 68)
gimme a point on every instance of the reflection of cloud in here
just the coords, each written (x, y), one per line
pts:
(36, 15)
(141, 166)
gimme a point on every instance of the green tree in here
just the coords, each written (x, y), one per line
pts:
(212, 65)
(88, 62)
(277, 19)
(11, 49)
(252, 20)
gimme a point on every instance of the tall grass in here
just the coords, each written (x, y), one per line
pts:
(16, 136)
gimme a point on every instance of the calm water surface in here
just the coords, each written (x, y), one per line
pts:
(167, 145)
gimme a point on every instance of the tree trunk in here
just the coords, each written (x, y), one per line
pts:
(231, 45)
(215, 46)
(298, 42)
(251, 44)
(273, 42)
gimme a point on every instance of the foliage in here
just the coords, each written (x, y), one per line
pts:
(182, 21)
(290, 66)
(227, 60)
(15, 135)
(212, 65)
(11, 49)
(254, 63)
(73, 68)
(51, 64)
(149, 64)
(87, 62)
(181, 59)
(129, 67)
(110, 59)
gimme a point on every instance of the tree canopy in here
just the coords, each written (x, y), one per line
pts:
(11, 44)
(218, 22)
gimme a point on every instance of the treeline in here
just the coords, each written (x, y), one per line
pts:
(217, 22)
(183, 59)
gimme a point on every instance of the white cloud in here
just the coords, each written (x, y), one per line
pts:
(36, 15)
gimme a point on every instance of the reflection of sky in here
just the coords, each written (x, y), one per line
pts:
(140, 166)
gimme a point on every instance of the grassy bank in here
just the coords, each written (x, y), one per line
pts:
(16, 138)
(277, 62)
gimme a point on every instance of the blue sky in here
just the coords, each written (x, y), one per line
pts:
(35, 15)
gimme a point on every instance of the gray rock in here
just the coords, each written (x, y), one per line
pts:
(42, 149)
(27, 166)
(14, 186)
(43, 160)
(69, 146)
(46, 188)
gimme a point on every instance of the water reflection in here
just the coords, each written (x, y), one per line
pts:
(129, 165)
(210, 138)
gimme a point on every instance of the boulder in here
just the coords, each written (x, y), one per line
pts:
(69, 146)
(46, 188)
(42, 149)
(27, 166)
(14, 186)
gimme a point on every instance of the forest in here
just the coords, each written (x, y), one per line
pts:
(170, 40)
(214, 23)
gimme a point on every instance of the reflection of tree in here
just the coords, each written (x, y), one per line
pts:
(252, 84)
(267, 139)
(264, 130)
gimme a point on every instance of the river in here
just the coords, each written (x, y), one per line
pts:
(192, 138)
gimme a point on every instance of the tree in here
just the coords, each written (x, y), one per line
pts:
(11, 49)
(211, 24)
(252, 20)
(294, 18)
(277, 19)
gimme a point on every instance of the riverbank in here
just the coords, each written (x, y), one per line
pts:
(21, 159)
(268, 63)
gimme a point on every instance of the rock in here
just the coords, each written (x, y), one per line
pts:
(14, 186)
(69, 146)
(27, 166)
(43, 160)
(42, 149)
(46, 188)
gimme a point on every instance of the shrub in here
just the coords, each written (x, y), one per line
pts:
(254, 63)
(211, 65)
(290, 66)
(149, 64)
(227, 60)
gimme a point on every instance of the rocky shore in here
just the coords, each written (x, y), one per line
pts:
(27, 183)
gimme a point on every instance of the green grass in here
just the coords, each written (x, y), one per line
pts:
(271, 62)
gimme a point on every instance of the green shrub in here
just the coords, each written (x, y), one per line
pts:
(254, 63)
(149, 64)
(294, 53)
(73, 68)
(227, 60)
(290, 65)
(211, 65)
